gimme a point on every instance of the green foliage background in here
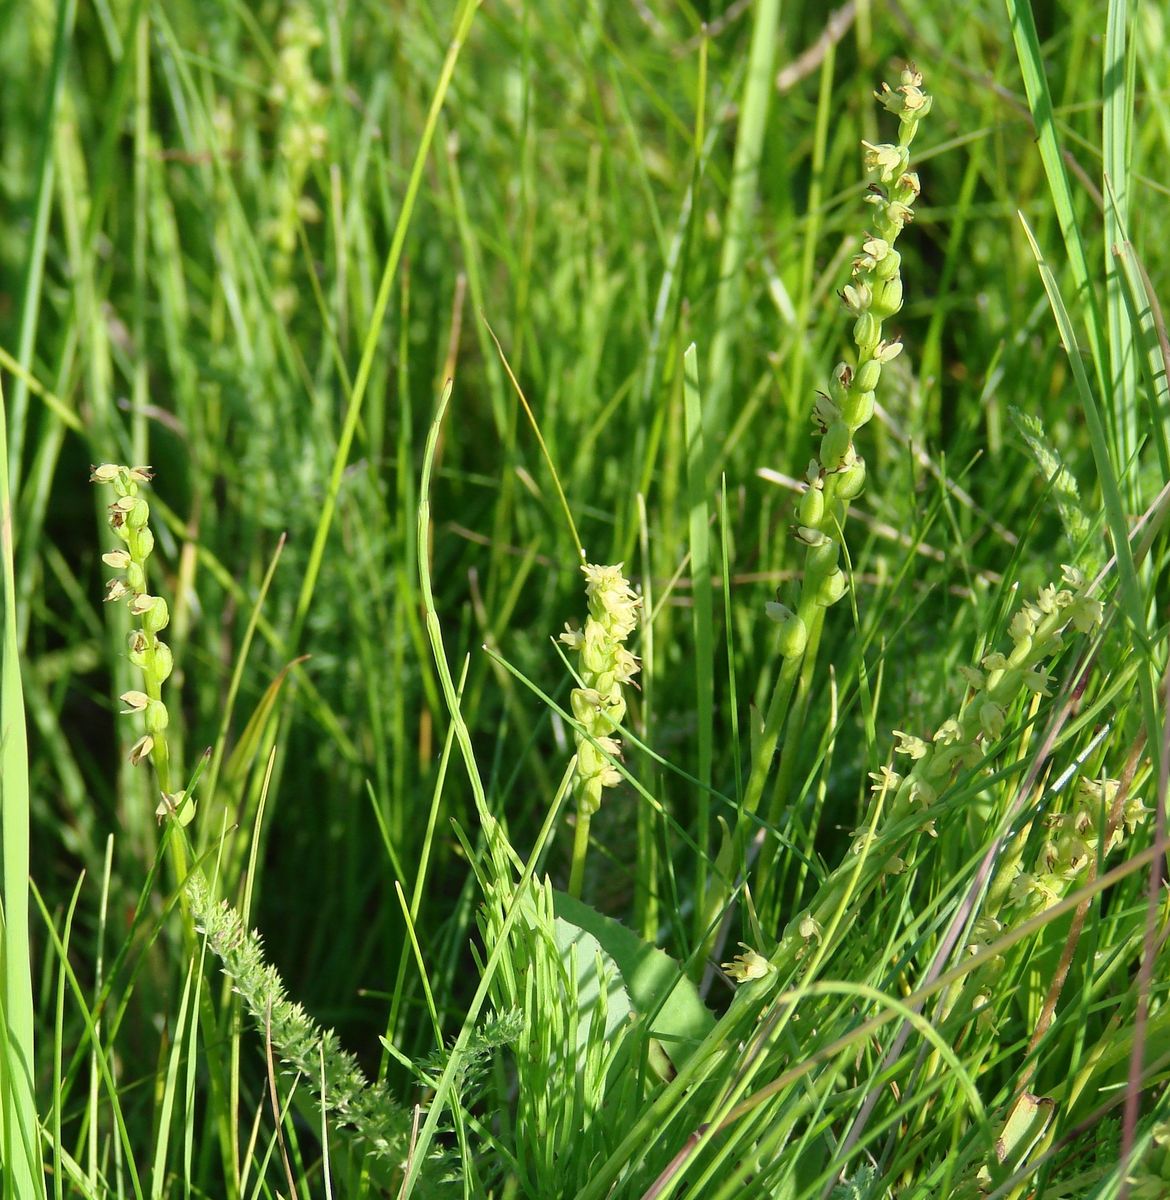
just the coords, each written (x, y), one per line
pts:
(199, 202)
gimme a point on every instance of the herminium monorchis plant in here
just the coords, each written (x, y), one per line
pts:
(837, 474)
(599, 705)
(961, 743)
(332, 1075)
(130, 520)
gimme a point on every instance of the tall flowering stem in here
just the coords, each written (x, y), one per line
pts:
(837, 474)
(303, 1047)
(923, 767)
(605, 666)
(129, 518)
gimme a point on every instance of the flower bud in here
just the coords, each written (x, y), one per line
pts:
(834, 444)
(868, 375)
(118, 559)
(157, 718)
(793, 633)
(858, 408)
(163, 661)
(850, 480)
(811, 508)
(867, 331)
(832, 588)
(106, 473)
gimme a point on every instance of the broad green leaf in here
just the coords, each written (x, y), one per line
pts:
(655, 983)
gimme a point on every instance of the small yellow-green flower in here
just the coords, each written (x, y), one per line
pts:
(605, 666)
(130, 521)
(748, 965)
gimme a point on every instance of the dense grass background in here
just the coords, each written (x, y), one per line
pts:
(230, 250)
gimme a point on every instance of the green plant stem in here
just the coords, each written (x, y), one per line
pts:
(580, 851)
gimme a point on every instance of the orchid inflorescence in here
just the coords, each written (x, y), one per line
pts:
(129, 518)
(605, 666)
(837, 474)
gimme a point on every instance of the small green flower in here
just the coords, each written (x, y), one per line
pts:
(747, 966)
(605, 666)
(129, 517)
(872, 295)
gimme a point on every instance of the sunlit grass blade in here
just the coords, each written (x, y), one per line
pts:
(23, 1174)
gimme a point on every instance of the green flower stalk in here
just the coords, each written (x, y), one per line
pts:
(837, 474)
(301, 102)
(333, 1075)
(1074, 844)
(907, 791)
(130, 520)
(599, 706)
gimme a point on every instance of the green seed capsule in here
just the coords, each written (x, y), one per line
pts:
(858, 409)
(812, 507)
(868, 375)
(822, 559)
(888, 267)
(851, 481)
(793, 637)
(156, 717)
(832, 588)
(867, 331)
(138, 515)
(887, 298)
(835, 444)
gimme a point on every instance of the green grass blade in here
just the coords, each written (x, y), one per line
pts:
(463, 20)
(23, 1173)
(745, 171)
(1119, 70)
(703, 618)
(1030, 56)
